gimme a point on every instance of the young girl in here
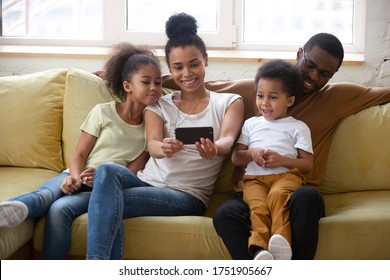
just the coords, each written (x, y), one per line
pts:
(276, 149)
(113, 131)
(178, 179)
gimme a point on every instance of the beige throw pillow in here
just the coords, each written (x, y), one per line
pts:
(31, 119)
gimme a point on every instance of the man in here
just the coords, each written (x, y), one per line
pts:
(322, 109)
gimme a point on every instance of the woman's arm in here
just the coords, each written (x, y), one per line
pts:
(231, 127)
(159, 146)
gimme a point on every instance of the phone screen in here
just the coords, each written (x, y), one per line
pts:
(190, 135)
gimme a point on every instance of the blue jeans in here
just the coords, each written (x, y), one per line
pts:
(60, 211)
(118, 194)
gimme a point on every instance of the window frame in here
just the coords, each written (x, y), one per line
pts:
(230, 37)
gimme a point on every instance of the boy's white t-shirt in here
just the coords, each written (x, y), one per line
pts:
(283, 136)
(117, 141)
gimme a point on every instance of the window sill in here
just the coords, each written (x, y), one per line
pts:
(103, 52)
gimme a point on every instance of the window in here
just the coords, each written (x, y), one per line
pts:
(56, 19)
(214, 21)
(146, 19)
(227, 24)
(266, 26)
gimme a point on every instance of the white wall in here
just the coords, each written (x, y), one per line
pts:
(374, 71)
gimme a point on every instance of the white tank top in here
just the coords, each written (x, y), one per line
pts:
(186, 170)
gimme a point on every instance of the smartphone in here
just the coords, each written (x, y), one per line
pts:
(190, 135)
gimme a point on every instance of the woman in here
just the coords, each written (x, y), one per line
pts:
(178, 179)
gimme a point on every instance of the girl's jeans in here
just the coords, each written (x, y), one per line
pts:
(119, 194)
(60, 211)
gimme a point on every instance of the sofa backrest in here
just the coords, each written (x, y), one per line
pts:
(359, 156)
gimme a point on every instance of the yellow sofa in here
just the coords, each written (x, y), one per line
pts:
(40, 116)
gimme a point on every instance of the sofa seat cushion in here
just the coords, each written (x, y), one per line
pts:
(31, 114)
(148, 238)
(190, 237)
(356, 225)
(15, 181)
(12, 239)
(19, 180)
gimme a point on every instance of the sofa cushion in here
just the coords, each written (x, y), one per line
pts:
(151, 238)
(16, 181)
(356, 226)
(83, 90)
(362, 140)
(31, 119)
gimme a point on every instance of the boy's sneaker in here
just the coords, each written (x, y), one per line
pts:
(263, 255)
(12, 213)
(279, 247)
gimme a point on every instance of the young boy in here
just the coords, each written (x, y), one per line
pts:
(276, 150)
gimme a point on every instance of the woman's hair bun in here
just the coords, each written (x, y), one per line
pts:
(180, 24)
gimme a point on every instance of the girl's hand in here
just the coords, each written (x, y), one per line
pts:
(87, 176)
(170, 146)
(70, 185)
(207, 149)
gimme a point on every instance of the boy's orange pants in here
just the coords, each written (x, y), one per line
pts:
(268, 198)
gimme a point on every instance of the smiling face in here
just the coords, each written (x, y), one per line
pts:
(317, 67)
(145, 85)
(187, 66)
(271, 99)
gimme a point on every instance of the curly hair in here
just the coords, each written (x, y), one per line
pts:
(126, 59)
(284, 71)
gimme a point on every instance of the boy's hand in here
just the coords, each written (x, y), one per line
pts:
(259, 156)
(272, 159)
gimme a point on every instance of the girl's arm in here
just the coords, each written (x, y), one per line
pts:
(159, 146)
(139, 163)
(77, 164)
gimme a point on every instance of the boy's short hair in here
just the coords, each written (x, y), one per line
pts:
(284, 71)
